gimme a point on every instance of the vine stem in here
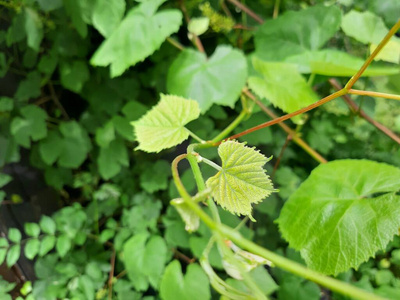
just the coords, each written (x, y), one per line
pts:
(279, 261)
(291, 115)
(196, 137)
(356, 109)
(378, 49)
(230, 127)
(374, 94)
(247, 10)
(295, 137)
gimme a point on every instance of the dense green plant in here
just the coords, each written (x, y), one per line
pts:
(120, 236)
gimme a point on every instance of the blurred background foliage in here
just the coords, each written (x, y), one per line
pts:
(93, 214)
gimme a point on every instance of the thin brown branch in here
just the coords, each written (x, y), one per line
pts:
(183, 257)
(57, 102)
(355, 108)
(288, 139)
(122, 274)
(243, 27)
(42, 100)
(196, 40)
(295, 137)
(111, 276)
(226, 9)
(247, 10)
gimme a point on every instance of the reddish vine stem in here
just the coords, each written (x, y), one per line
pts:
(196, 40)
(295, 137)
(291, 115)
(183, 257)
(247, 10)
(356, 109)
(378, 49)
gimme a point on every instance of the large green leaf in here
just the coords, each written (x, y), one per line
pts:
(241, 180)
(342, 214)
(294, 33)
(139, 34)
(336, 63)
(218, 79)
(145, 260)
(365, 27)
(282, 85)
(162, 127)
(111, 159)
(175, 286)
(107, 15)
(34, 28)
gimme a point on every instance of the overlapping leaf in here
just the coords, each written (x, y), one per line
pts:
(163, 126)
(282, 85)
(216, 80)
(139, 34)
(242, 180)
(342, 214)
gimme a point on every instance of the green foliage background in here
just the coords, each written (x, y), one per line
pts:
(87, 69)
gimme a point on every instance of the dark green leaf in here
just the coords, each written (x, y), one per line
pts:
(112, 158)
(74, 75)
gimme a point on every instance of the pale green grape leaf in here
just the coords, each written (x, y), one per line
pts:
(241, 180)
(112, 158)
(107, 15)
(34, 28)
(389, 53)
(191, 219)
(31, 127)
(13, 255)
(342, 214)
(145, 260)
(151, 183)
(176, 286)
(218, 79)
(295, 33)
(74, 75)
(122, 49)
(365, 27)
(198, 25)
(32, 248)
(282, 85)
(75, 9)
(162, 127)
(336, 63)
(29, 87)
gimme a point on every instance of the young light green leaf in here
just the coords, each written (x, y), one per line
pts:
(282, 85)
(335, 220)
(14, 235)
(107, 15)
(192, 220)
(175, 286)
(162, 127)
(47, 244)
(241, 180)
(218, 79)
(122, 49)
(198, 25)
(295, 33)
(63, 245)
(32, 229)
(365, 27)
(47, 225)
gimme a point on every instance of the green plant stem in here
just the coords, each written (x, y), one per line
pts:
(230, 127)
(277, 260)
(197, 138)
(374, 94)
(276, 9)
(175, 43)
(211, 164)
(378, 49)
